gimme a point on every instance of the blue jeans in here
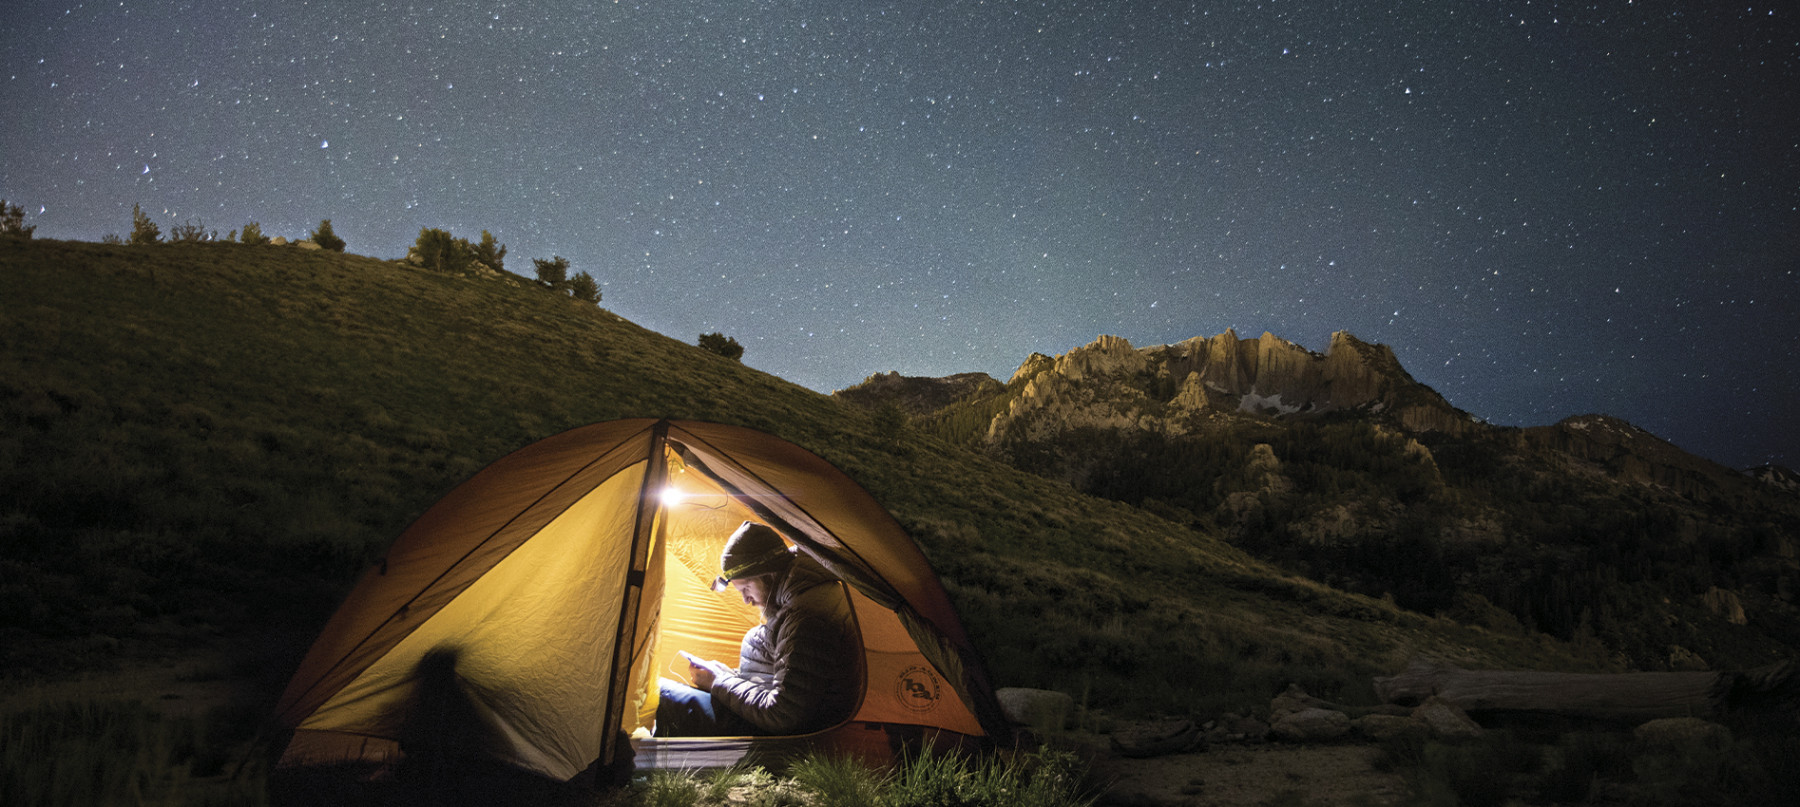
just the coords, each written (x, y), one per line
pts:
(684, 711)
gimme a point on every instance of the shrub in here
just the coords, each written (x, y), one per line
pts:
(553, 272)
(12, 221)
(723, 345)
(187, 232)
(582, 287)
(326, 239)
(437, 250)
(143, 230)
(253, 234)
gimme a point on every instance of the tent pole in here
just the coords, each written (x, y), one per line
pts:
(648, 503)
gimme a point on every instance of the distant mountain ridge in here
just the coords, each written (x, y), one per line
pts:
(1342, 466)
(1209, 378)
(916, 395)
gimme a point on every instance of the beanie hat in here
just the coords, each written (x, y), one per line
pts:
(755, 549)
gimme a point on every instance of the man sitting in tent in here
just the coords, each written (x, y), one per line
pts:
(797, 671)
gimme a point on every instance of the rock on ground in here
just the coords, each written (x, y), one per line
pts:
(1311, 726)
(1243, 776)
(1446, 719)
(1042, 710)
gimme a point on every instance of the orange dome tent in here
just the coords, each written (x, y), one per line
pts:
(555, 586)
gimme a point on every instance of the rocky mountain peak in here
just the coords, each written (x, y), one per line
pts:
(1109, 383)
(1033, 364)
(1105, 356)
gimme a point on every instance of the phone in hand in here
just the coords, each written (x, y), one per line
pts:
(692, 659)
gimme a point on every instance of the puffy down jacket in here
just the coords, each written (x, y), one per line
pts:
(800, 671)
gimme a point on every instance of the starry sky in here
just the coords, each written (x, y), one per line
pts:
(1544, 208)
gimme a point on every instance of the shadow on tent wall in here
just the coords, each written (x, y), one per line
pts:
(446, 756)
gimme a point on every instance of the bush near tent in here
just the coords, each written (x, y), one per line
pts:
(525, 618)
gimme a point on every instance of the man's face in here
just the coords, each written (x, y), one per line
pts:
(755, 590)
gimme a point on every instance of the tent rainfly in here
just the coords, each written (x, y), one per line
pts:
(548, 593)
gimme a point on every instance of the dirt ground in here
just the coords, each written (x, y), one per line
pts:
(1222, 775)
(1268, 774)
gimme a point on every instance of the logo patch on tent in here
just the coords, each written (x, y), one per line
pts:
(918, 689)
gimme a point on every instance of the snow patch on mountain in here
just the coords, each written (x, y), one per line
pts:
(1254, 403)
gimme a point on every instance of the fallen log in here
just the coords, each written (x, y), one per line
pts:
(1623, 697)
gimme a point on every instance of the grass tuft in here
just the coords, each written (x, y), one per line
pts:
(1046, 778)
(837, 781)
(672, 789)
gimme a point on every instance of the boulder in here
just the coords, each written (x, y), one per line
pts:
(1682, 659)
(308, 244)
(1446, 719)
(1311, 726)
(1157, 738)
(1043, 710)
(1291, 701)
(1233, 728)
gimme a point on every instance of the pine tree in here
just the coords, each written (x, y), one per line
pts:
(253, 234)
(490, 252)
(143, 230)
(326, 239)
(582, 287)
(12, 222)
(553, 272)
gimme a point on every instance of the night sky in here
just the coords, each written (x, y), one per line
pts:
(1545, 208)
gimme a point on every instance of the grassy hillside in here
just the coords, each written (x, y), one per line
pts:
(202, 444)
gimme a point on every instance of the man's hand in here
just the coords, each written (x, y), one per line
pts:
(706, 671)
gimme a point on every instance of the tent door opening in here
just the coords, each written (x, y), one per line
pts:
(694, 516)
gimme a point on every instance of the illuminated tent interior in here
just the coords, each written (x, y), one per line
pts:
(527, 616)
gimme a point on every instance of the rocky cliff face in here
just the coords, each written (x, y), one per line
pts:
(1173, 389)
(1097, 386)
